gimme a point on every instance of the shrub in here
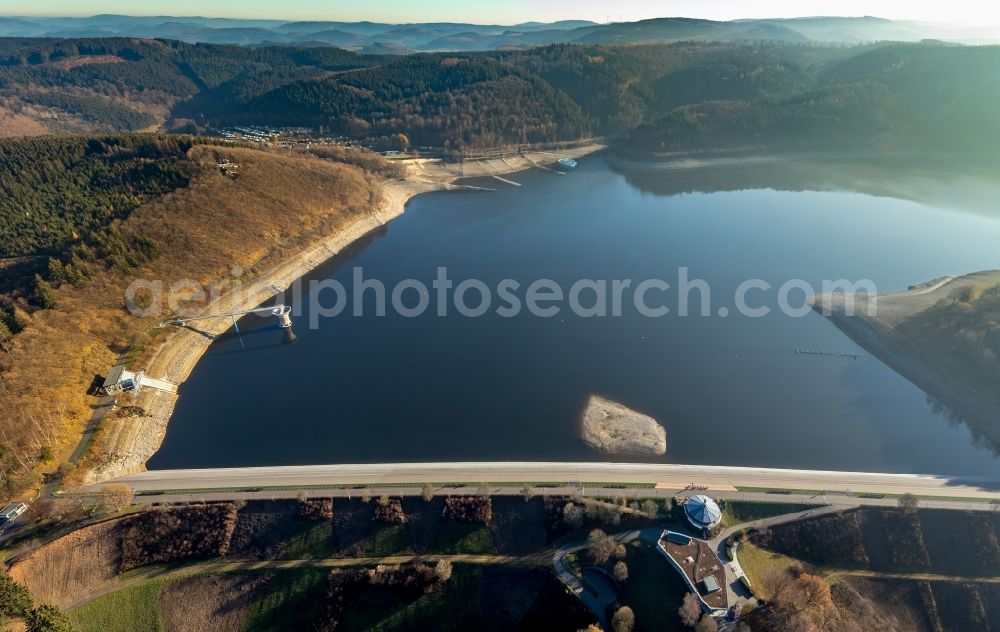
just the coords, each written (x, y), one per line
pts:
(45, 296)
(470, 509)
(316, 509)
(830, 539)
(346, 586)
(176, 533)
(389, 510)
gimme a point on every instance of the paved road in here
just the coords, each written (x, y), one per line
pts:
(838, 501)
(715, 479)
(104, 406)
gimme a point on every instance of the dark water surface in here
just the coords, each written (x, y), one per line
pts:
(728, 390)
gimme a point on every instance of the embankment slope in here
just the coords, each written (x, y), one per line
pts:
(942, 335)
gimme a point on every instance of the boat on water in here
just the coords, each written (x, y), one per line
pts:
(569, 163)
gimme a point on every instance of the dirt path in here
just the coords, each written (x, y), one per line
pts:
(922, 577)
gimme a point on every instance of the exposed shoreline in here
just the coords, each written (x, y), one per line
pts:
(876, 335)
(682, 161)
(130, 442)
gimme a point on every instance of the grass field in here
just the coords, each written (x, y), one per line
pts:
(387, 539)
(294, 600)
(313, 539)
(739, 511)
(653, 590)
(459, 538)
(476, 598)
(760, 566)
(127, 610)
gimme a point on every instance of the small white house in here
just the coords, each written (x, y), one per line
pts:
(12, 512)
(121, 381)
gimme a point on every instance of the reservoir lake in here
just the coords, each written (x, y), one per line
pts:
(729, 390)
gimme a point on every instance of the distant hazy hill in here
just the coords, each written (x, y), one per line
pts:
(442, 36)
(454, 100)
(666, 98)
(914, 97)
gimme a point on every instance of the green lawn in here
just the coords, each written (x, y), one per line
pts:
(314, 540)
(761, 566)
(126, 610)
(294, 600)
(460, 538)
(480, 598)
(387, 539)
(379, 608)
(740, 511)
(653, 590)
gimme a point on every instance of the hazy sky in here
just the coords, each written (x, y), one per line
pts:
(979, 12)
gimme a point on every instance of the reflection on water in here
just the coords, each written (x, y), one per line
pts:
(728, 390)
(954, 184)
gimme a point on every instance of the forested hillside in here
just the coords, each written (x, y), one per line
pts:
(122, 84)
(664, 98)
(926, 97)
(59, 191)
(457, 100)
(91, 214)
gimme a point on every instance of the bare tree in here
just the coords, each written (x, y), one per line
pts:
(908, 502)
(605, 513)
(707, 624)
(115, 497)
(601, 547)
(650, 508)
(623, 620)
(527, 493)
(427, 492)
(443, 570)
(574, 515)
(366, 495)
(690, 610)
(621, 571)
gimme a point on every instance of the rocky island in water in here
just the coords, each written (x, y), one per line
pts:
(616, 429)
